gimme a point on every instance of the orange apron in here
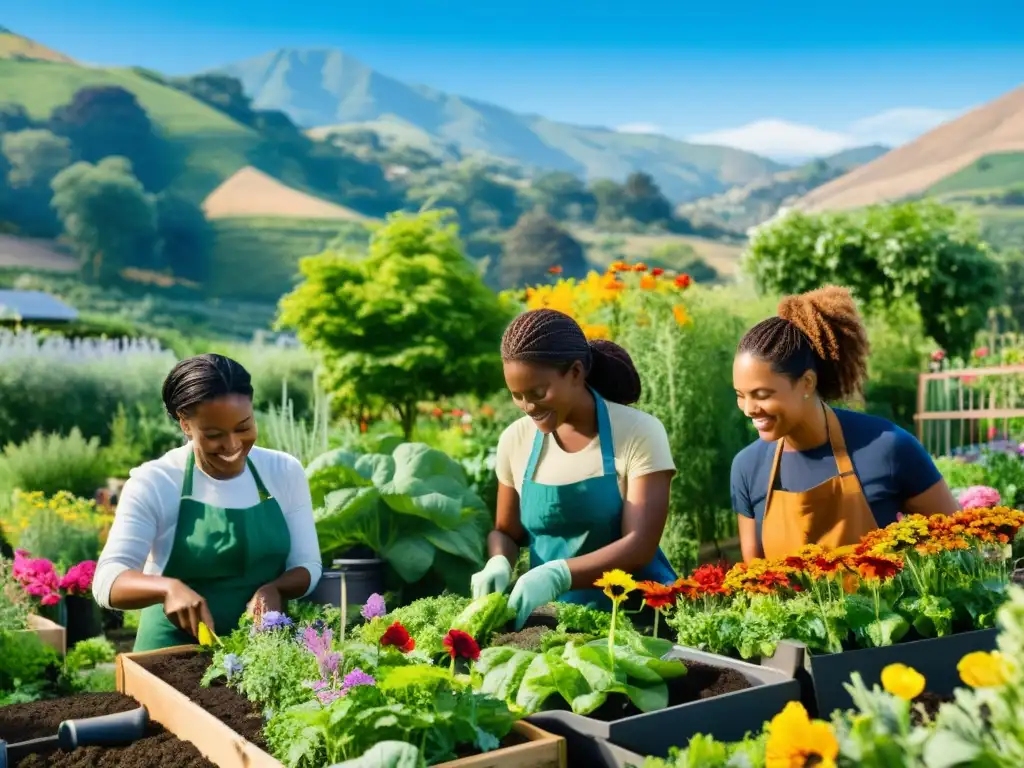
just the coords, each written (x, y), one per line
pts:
(833, 514)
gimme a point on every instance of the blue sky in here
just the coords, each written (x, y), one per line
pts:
(814, 75)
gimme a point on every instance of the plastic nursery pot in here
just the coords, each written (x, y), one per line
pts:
(83, 619)
(363, 577)
(822, 675)
(727, 717)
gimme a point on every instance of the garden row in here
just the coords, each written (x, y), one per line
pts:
(889, 627)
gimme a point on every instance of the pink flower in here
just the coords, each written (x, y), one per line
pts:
(78, 579)
(979, 497)
(981, 352)
(938, 355)
(37, 576)
(51, 599)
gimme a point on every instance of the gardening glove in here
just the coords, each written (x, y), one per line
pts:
(495, 577)
(539, 587)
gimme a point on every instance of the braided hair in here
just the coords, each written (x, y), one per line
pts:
(551, 338)
(818, 331)
(198, 379)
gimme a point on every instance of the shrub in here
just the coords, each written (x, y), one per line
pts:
(52, 463)
(62, 528)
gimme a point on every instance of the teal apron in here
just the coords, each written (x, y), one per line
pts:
(565, 521)
(225, 555)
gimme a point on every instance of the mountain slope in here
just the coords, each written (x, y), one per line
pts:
(997, 127)
(14, 46)
(250, 192)
(319, 88)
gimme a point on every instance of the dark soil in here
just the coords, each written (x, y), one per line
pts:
(158, 749)
(184, 671)
(528, 639)
(930, 702)
(701, 681)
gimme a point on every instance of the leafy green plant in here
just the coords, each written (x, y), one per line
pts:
(54, 462)
(14, 603)
(427, 619)
(26, 663)
(413, 507)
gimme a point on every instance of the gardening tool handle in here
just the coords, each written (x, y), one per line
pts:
(3, 754)
(105, 730)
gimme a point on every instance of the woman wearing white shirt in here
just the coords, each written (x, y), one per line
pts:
(207, 529)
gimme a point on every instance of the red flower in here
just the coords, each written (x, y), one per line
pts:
(461, 644)
(657, 271)
(398, 636)
(641, 267)
(657, 596)
(683, 281)
(981, 352)
(873, 568)
(556, 270)
(710, 579)
(437, 413)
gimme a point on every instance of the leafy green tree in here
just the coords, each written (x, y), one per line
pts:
(33, 158)
(564, 196)
(14, 118)
(107, 215)
(535, 245)
(185, 236)
(644, 201)
(221, 92)
(412, 321)
(611, 200)
(923, 250)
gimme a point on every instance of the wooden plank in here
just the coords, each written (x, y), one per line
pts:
(967, 373)
(49, 632)
(227, 749)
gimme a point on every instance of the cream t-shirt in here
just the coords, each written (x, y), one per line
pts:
(640, 442)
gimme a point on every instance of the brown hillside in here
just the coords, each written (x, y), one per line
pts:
(915, 167)
(43, 255)
(14, 46)
(251, 192)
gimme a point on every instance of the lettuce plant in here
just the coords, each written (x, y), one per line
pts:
(413, 507)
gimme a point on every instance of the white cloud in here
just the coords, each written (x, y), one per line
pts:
(639, 128)
(783, 140)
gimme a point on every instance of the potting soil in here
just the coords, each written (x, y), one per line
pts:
(158, 749)
(931, 703)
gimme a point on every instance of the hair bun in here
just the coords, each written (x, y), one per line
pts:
(820, 315)
(611, 365)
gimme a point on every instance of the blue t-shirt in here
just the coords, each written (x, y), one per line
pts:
(889, 461)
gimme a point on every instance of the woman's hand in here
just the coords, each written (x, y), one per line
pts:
(271, 597)
(186, 608)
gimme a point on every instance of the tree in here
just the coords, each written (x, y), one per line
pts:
(564, 196)
(535, 245)
(611, 200)
(14, 118)
(185, 237)
(921, 249)
(221, 92)
(412, 321)
(107, 216)
(33, 158)
(644, 201)
(107, 121)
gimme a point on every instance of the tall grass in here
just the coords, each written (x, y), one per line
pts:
(282, 431)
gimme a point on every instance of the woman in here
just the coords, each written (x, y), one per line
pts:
(817, 474)
(583, 478)
(209, 528)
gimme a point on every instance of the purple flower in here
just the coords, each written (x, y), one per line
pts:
(274, 620)
(316, 643)
(374, 608)
(356, 677)
(325, 692)
(232, 665)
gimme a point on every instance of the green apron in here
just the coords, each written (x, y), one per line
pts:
(225, 555)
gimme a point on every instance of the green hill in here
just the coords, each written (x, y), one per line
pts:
(212, 146)
(996, 171)
(322, 88)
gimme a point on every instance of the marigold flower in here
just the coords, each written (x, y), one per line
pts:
(398, 637)
(657, 596)
(618, 266)
(461, 644)
(681, 315)
(617, 584)
(683, 281)
(710, 579)
(796, 741)
(876, 568)
(556, 270)
(640, 267)
(902, 681)
(984, 670)
(657, 271)
(687, 588)
(648, 282)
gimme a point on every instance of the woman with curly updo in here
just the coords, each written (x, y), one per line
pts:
(583, 478)
(819, 474)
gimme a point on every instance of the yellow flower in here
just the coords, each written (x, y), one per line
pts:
(616, 584)
(681, 315)
(596, 331)
(647, 282)
(796, 741)
(984, 670)
(902, 681)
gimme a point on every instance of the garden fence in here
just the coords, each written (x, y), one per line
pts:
(959, 411)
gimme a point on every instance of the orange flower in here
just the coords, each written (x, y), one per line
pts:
(877, 568)
(641, 267)
(683, 281)
(657, 596)
(687, 588)
(556, 270)
(618, 266)
(648, 282)
(614, 284)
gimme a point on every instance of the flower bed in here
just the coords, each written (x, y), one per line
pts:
(228, 728)
(158, 749)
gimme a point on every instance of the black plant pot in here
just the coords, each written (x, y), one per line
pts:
(83, 620)
(363, 577)
(822, 676)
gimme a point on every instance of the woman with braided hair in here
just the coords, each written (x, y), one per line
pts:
(819, 474)
(583, 478)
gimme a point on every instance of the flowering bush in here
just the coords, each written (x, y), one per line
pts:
(61, 527)
(40, 580)
(78, 579)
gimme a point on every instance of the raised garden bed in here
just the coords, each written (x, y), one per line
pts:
(718, 696)
(822, 676)
(158, 749)
(49, 632)
(227, 728)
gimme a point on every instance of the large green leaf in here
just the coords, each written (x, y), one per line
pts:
(352, 516)
(385, 754)
(463, 542)
(376, 467)
(333, 478)
(484, 615)
(429, 499)
(417, 460)
(410, 555)
(334, 458)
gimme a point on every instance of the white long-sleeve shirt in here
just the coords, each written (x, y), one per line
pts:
(142, 534)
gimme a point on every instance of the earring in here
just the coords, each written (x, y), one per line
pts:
(807, 397)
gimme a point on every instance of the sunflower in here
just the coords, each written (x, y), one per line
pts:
(617, 585)
(795, 741)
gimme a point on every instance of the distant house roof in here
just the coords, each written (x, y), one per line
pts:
(34, 306)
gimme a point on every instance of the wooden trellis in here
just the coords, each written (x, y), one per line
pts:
(961, 408)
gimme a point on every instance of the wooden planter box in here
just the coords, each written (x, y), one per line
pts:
(729, 717)
(50, 632)
(822, 676)
(222, 746)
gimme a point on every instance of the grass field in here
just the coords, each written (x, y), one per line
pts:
(1001, 226)
(212, 145)
(257, 258)
(984, 174)
(605, 247)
